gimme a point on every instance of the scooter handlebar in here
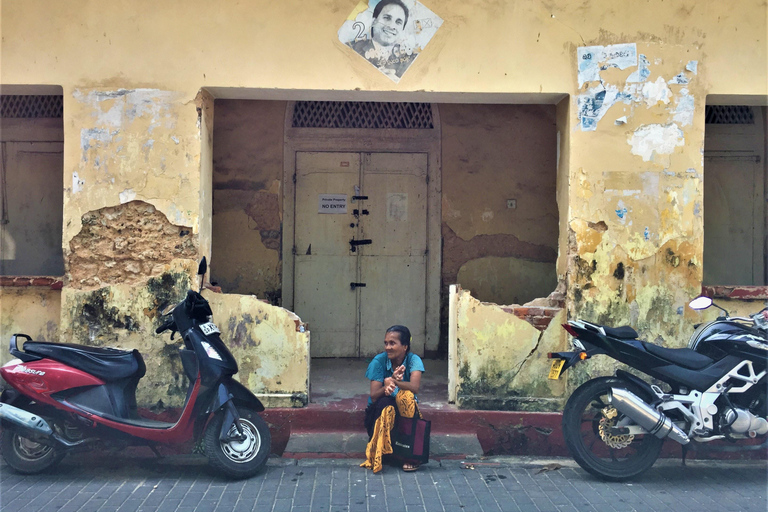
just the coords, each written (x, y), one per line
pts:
(167, 325)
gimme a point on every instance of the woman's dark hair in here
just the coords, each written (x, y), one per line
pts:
(376, 12)
(404, 333)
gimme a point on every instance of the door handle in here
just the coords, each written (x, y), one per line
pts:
(354, 243)
(356, 285)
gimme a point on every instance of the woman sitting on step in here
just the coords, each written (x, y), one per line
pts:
(395, 376)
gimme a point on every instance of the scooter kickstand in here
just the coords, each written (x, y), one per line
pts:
(154, 449)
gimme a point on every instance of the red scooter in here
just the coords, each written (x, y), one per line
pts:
(65, 397)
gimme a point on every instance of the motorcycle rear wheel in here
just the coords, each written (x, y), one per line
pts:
(26, 456)
(238, 459)
(581, 419)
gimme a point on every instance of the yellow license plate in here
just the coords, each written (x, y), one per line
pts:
(556, 368)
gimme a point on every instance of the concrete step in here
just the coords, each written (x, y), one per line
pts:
(309, 443)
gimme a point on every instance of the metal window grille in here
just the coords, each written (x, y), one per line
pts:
(31, 106)
(729, 114)
(358, 114)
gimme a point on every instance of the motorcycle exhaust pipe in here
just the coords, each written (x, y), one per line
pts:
(26, 424)
(644, 415)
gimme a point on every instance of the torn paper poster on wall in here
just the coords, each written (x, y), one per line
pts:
(683, 113)
(653, 139)
(643, 71)
(593, 59)
(593, 104)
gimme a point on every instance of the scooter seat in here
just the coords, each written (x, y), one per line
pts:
(684, 357)
(108, 364)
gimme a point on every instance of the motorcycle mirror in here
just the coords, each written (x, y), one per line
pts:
(700, 302)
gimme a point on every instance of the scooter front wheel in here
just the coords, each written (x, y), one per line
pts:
(26, 456)
(238, 458)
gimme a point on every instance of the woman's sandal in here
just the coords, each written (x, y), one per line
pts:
(410, 467)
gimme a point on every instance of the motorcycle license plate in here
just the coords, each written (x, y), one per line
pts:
(209, 328)
(555, 368)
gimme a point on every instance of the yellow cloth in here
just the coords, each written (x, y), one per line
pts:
(381, 443)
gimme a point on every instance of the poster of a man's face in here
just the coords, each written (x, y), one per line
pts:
(389, 34)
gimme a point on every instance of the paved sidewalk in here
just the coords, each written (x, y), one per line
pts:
(102, 484)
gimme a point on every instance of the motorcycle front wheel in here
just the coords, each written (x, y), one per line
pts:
(26, 456)
(238, 458)
(587, 421)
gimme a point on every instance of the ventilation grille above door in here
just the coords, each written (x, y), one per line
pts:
(357, 114)
(31, 106)
(729, 114)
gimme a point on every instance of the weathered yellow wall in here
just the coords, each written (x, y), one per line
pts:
(33, 311)
(523, 46)
(635, 222)
(502, 359)
(131, 72)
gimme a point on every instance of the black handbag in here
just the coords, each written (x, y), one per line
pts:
(410, 438)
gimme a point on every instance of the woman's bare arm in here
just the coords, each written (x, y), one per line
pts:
(413, 385)
(378, 390)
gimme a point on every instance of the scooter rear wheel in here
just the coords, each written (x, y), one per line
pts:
(26, 456)
(238, 459)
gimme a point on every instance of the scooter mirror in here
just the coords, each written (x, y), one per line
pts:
(203, 267)
(700, 302)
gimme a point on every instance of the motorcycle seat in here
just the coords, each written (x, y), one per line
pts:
(624, 332)
(108, 364)
(684, 357)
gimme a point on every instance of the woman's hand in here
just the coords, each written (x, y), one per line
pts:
(399, 373)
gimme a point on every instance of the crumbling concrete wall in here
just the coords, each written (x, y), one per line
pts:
(501, 359)
(124, 244)
(270, 344)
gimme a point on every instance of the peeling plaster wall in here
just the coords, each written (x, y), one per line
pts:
(505, 255)
(635, 228)
(131, 144)
(502, 360)
(247, 177)
(29, 310)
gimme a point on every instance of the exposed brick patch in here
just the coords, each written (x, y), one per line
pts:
(125, 244)
(736, 292)
(539, 317)
(54, 283)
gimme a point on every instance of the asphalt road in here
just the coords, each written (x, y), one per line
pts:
(109, 483)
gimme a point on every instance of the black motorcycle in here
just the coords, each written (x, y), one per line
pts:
(714, 389)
